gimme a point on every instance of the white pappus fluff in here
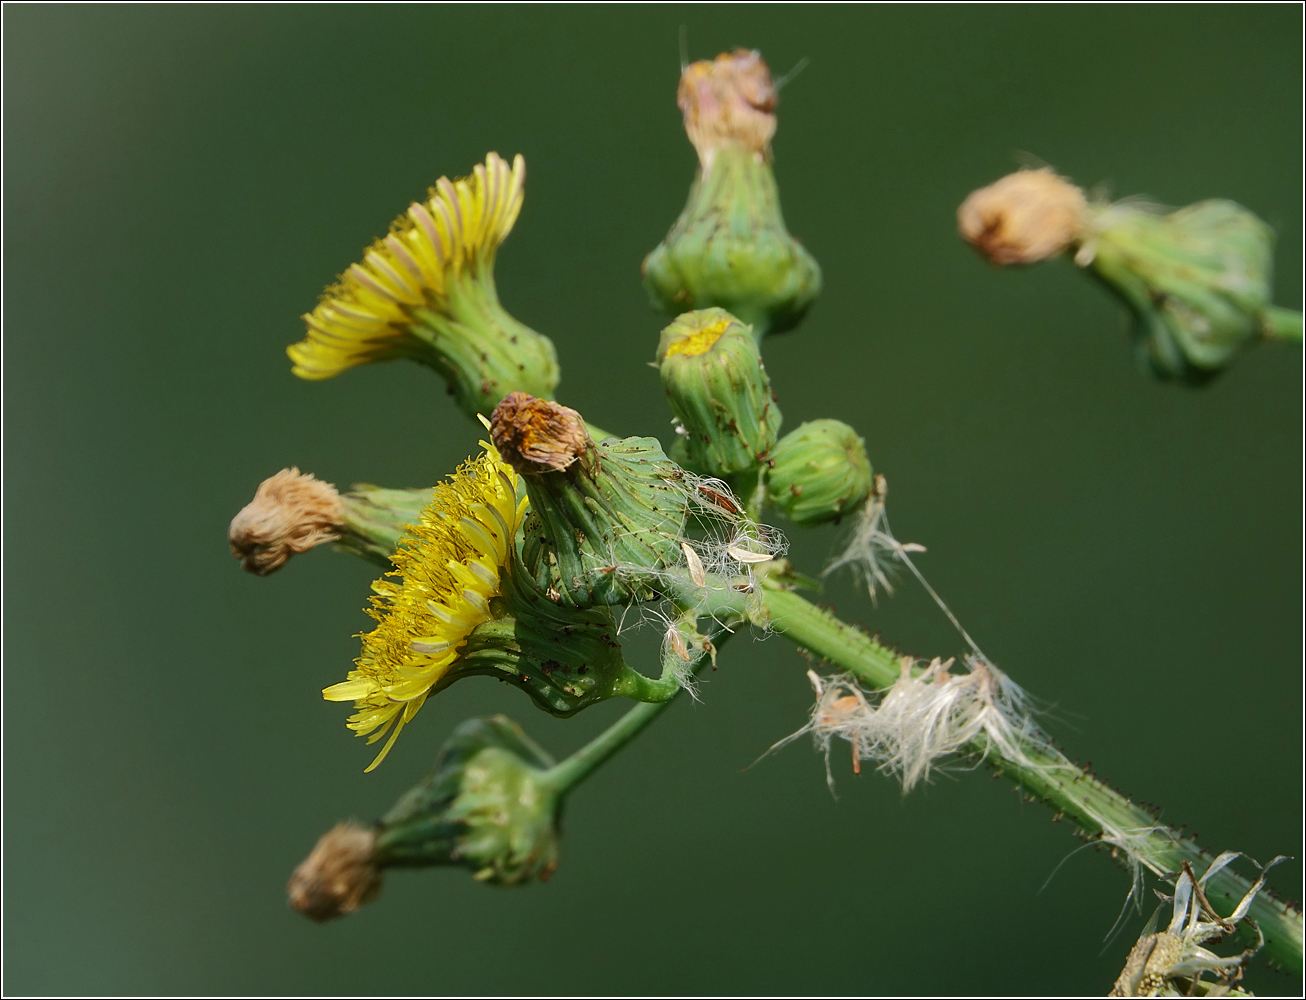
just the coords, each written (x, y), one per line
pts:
(923, 717)
(871, 549)
(726, 551)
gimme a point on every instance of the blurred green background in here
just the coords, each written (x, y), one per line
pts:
(180, 183)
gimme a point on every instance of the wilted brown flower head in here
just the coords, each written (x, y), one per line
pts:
(338, 876)
(291, 512)
(1025, 217)
(535, 436)
(728, 99)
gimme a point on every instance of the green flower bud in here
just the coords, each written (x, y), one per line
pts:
(604, 519)
(488, 806)
(1197, 281)
(717, 386)
(819, 473)
(730, 247)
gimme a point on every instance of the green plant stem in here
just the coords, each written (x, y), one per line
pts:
(576, 768)
(1283, 324)
(1045, 774)
(579, 765)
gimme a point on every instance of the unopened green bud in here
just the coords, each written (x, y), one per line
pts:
(604, 519)
(1197, 281)
(819, 472)
(487, 806)
(717, 386)
(730, 247)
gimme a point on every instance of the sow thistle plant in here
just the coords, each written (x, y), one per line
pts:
(528, 561)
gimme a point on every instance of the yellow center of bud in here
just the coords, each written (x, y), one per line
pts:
(700, 342)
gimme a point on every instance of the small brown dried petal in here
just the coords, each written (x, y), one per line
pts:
(535, 436)
(338, 876)
(1025, 217)
(291, 513)
(728, 99)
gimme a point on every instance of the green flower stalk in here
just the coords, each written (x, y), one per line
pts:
(1197, 280)
(717, 386)
(375, 518)
(730, 247)
(426, 291)
(604, 518)
(819, 473)
(979, 712)
(293, 512)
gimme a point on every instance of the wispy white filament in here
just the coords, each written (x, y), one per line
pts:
(908, 728)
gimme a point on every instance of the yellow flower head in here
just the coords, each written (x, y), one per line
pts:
(447, 568)
(366, 315)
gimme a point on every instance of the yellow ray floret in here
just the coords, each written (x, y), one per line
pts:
(447, 568)
(365, 315)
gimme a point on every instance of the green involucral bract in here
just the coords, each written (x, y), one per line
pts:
(598, 532)
(482, 351)
(730, 248)
(718, 388)
(375, 519)
(488, 806)
(819, 472)
(1197, 281)
(565, 659)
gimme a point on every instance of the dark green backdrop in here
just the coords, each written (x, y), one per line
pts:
(179, 185)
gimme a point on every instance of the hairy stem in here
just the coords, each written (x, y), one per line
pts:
(1046, 775)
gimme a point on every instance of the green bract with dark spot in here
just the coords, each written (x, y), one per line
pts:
(730, 248)
(1197, 281)
(718, 389)
(819, 472)
(599, 531)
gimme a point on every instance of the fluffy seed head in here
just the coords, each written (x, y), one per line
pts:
(338, 876)
(1025, 217)
(291, 513)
